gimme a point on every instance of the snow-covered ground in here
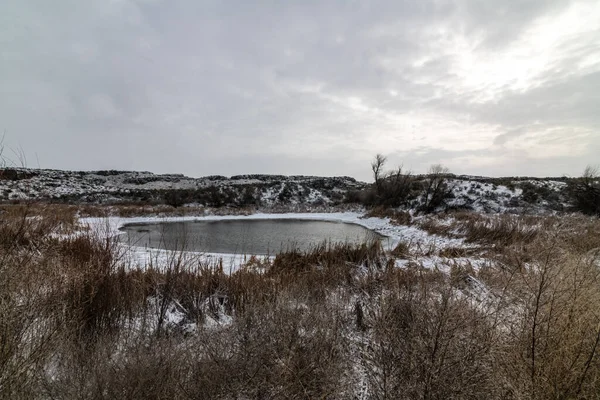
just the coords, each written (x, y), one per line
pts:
(108, 186)
(489, 195)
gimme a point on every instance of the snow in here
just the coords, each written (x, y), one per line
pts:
(105, 186)
(476, 193)
(445, 264)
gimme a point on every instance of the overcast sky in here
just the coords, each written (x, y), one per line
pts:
(302, 87)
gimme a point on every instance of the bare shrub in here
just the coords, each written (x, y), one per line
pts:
(585, 191)
(399, 188)
(437, 189)
(551, 346)
(391, 189)
(428, 343)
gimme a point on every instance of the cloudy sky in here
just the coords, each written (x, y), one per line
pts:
(302, 87)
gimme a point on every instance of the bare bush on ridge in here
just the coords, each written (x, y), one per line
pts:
(400, 188)
(585, 191)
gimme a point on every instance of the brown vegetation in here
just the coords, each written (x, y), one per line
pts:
(336, 322)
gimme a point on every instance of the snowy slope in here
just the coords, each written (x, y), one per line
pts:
(490, 195)
(106, 186)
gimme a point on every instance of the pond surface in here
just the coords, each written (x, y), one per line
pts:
(256, 237)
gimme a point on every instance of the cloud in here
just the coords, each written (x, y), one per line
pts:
(207, 87)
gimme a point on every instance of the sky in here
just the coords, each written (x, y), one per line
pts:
(497, 88)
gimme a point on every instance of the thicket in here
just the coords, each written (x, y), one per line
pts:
(585, 192)
(400, 188)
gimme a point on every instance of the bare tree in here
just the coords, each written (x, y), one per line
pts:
(591, 174)
(585, 191)
(392, 188)
(377, 168)
(399, 187)
(437, 188)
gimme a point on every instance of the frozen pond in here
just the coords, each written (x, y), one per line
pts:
(243, 236)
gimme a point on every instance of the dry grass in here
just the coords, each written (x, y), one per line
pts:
(76, 322)
(396, 217)
(456, 252)
(402, 250)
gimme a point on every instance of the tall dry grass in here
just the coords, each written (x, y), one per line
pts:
(338, 321)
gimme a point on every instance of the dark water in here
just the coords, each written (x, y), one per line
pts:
(243, 236)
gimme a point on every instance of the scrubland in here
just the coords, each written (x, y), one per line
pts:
(339, 321)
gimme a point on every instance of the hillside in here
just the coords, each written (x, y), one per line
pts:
(481, 194)
(128, 186)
